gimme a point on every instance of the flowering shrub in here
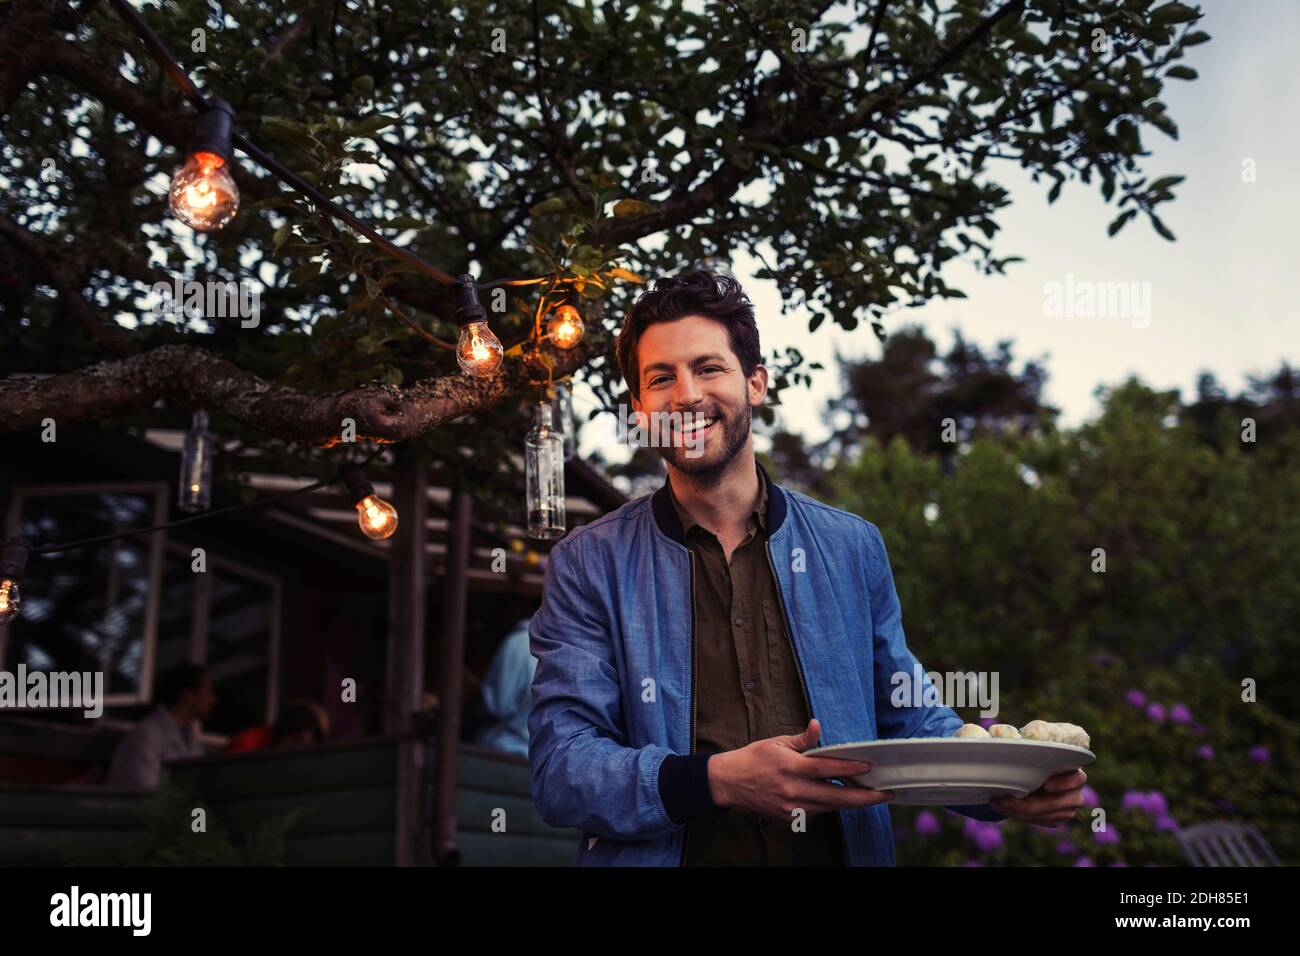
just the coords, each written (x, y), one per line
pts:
(1174, 748)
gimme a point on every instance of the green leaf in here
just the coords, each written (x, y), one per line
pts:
(1160, 227)
(304, 273)
(632, 207)
(1165, 182)
(1118, 224)
(406, 222)
(281, 236)
(1196, 38)
(1162, 122)
(1055, 191)
(369, 125)
(548, 206)
(586, 260)
(625, 274)
(1173, 13)
(1182, 73)
(363, 85)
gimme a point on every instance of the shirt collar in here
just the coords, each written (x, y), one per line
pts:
(758, 515)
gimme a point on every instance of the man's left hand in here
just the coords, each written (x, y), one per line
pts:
(1052, 804)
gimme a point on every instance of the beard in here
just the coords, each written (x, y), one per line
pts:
(703, 465)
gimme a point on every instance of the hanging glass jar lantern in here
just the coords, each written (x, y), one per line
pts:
(194, 487)
(562, 412)
(544, 464)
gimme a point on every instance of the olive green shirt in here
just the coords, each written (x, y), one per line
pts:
(747, 688)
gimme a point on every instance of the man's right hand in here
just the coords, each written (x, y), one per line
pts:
(773, 778)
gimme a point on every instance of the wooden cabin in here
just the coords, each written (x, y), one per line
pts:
(292, 602)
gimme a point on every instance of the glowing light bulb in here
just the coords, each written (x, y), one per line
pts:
(9, 600)
(478, 351)
(377, 518)
(13, 559)
(203, 195)
(565, 327)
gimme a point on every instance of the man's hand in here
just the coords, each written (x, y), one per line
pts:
(1054, 803)
(772, 778)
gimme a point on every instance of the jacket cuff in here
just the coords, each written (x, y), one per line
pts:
(684, 787)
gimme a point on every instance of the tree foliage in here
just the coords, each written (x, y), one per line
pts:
(854, 148)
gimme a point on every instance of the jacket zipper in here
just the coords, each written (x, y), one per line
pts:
(803, 684)
(691, 554)
(789, 631)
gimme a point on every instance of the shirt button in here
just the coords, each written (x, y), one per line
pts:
(749, 685)
(740, 622)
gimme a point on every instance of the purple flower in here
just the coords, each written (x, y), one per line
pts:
(1179, 714)
(1205, 752)
(1065, 848)
(1135, 800)
(927, 824)
(1136, 698)
(1084, 861)
(1156, 712)
(1107, 834)
(986, 836)
(1166, 823)
(1152, 802)
(1259, 754)
(987, 722)
(1090, 797)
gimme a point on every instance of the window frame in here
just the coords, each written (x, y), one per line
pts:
(160, 491)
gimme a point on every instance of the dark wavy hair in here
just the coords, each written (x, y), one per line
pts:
(716, 296)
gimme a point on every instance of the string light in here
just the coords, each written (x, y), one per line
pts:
(12, 563)
(478, 351)
(375, 516)
(194, 486)
(565, 328)
(203, 194)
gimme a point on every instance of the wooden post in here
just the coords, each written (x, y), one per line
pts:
(405, 664)
(451, 666)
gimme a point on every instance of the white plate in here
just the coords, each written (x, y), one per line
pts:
(950, 771)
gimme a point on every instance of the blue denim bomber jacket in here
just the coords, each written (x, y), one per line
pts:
(612, 724)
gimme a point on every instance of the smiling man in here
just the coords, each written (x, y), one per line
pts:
(694, 643)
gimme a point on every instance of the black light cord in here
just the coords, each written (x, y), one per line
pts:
(172, 67)
(271, 499)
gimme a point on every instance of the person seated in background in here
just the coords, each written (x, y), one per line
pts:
(185, 698)
(300, 724)
(507, 694)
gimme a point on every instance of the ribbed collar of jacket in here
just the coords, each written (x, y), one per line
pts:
(666, 515)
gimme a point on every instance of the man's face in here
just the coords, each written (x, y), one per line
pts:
(688, 367)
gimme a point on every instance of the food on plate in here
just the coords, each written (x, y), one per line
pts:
(1072, 734)
(971, 730)
(1006, 731)
(1062, 733)
(1037, 730)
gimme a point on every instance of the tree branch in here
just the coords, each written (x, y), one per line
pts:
(195, 378)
